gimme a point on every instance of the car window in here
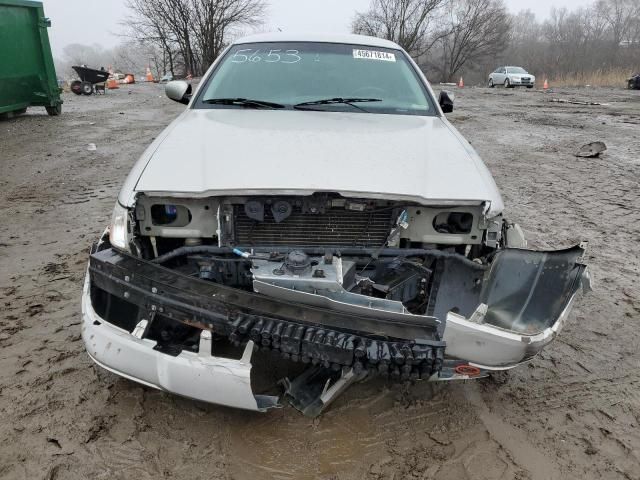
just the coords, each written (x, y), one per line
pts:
(290, 73)
(517, 70)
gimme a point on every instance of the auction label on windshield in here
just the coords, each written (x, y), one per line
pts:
(374, 55)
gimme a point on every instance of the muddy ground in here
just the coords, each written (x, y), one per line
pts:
(572, 413)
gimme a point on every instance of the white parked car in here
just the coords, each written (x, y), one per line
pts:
(312, 201)
(511, 77)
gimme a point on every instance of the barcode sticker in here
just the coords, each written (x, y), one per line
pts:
(374, 55)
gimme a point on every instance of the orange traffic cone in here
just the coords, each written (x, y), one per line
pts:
(461, 83)
(546, 85)
(149, 75)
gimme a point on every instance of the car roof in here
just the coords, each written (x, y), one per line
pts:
(319, 38)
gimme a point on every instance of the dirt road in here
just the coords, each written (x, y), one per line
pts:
(572, 413)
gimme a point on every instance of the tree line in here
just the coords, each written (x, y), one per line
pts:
(448, 38)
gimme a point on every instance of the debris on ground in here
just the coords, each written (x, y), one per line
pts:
(591, 150)
(574, 102)
(92, 147)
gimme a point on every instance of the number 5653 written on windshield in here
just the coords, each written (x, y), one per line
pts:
(267, 56)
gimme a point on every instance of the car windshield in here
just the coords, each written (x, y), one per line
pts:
(517, 70)
(317, 76)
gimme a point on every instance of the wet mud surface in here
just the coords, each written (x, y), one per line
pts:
(572, 413)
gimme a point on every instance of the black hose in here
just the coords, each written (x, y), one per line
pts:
(386, 252)
(182, 251)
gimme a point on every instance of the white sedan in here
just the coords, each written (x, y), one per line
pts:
(313, 202)
(511, 77)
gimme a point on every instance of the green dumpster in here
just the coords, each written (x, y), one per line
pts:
(27, 74)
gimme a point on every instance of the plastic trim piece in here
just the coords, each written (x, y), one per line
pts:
(200, 376)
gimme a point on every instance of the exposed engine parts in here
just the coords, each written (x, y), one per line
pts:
(346, 288)
(384, 260)
(321, 220)
(368, 256)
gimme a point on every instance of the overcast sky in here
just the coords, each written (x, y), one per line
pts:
(97, 21)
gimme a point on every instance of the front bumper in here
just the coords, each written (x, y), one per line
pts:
(339, 341)
(118, 339)
(520, 82)
(200, 376)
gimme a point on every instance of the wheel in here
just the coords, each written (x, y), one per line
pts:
(491, 85)
(87, 88)
(76, 87)
(507, 83)
(55, 110)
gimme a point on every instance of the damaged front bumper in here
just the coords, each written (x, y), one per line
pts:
(200, 375)
(524, 300)
(524, 304)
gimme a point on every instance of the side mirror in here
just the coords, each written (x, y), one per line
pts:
(178, 91)
(446, 101)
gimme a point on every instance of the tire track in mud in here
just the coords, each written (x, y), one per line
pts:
(557, 399)
(526, 455)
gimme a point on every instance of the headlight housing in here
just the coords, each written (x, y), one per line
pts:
(119, 228)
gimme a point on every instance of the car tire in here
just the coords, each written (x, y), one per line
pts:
(87, 88)
(55, 110)
(507, 83)
(76, 87)
(491, 84)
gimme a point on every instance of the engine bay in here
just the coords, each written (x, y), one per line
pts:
(374, 256)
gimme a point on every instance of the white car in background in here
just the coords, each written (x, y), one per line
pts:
(313, 202)
(511, 77)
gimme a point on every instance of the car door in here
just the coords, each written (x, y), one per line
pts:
(504, 75)
(494, 75)
(498, 76)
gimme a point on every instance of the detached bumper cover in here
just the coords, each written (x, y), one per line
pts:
(524, 301)
(195, 375)
(494, 348)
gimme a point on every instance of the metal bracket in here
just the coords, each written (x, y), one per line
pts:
(312, 391)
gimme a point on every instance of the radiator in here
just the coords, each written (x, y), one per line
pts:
(336, 227)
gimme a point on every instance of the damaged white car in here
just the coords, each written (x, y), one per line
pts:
(312, 202)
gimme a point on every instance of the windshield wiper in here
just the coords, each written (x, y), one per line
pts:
(243, 102)
(329, 101)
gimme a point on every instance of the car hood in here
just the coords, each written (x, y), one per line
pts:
(239, 151)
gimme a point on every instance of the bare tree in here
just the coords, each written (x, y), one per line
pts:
(598, 39)
(152, 32)
(215, 20)
(621, 19)
(410, 23)
(196, 31)
(478, 29)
